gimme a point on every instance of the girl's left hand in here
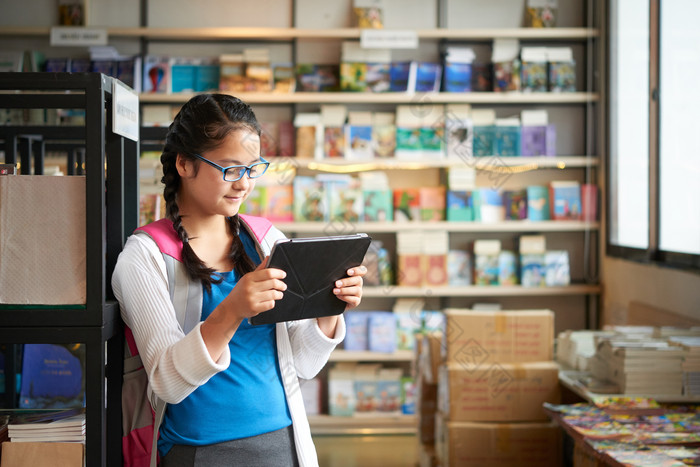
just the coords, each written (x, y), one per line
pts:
(349, 289)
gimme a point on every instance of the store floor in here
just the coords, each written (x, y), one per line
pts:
(366, 451)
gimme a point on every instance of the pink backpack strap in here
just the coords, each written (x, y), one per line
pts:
(163, 233)
(258, 225)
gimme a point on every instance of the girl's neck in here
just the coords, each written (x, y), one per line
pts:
(204, 226)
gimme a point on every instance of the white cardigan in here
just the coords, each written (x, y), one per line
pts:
(178, 363)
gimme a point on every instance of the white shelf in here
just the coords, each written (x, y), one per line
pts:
(393, 291)
(363, 425)
(340, 355)
(390, 98)
(330, 228)
(284, 34)
(514, 164)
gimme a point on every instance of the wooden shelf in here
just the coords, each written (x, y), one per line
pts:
(330, 228)
(390, 98)
(286, 34)
(363, 425)
(340, 355)
(515, 164)
(393, 291)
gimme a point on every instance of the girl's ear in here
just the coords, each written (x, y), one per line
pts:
(183, 166)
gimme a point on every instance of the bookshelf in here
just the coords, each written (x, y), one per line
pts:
(111, 211)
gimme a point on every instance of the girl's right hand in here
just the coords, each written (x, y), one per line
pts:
(257, 291)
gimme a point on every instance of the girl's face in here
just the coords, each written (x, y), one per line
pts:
(204, 192)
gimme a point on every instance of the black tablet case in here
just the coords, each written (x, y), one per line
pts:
(312, 266)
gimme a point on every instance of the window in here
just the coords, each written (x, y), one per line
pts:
(654, 150)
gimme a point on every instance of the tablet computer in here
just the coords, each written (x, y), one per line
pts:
(312, 265)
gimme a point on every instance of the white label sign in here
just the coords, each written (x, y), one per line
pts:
(387, 39)
(78, 36)
(125, 111)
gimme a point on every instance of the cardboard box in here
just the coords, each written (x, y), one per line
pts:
(42, 240)
(427, 408)
(474, 338)
(42, 454)
(430, 357)
(498, 392)
(498, 444)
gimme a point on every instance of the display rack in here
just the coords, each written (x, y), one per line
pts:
(111, 207)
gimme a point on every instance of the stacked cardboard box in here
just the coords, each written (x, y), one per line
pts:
(428, 360)
(497, 373)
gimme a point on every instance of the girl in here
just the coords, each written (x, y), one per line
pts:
(232, 388)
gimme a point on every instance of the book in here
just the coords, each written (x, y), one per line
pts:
(399, 73)
(538, 139)
(435, 249)
(258, 70)
(565, 199)
(406, 204)
(333, 121)
(389, 389)
(515, 204)
(344, 197)
(356, 324)
(541, 13)
(459, 206)
(538, 203)
(382, 332)
(353, 77)
(368, 14)
(358, 142)
(459, 131)
(507, 268)
(459, 268)
(11, 61)
(206, 75)
(52, 376)
(491, 208)
(562, 69)
(384, 140)
(482, 77)
(231, 72)
(365, 384)
(506, 65)
(589, 202)
(556, 263)
(378, 205)
(533, 69)
(507, 137)
(156, 74)
(377, 77)
(309, 135)
(484, 139)
(51, 65)
(278, 201)
(432, 203)
(309, 200)
(341, 390)
(182, 74)
(283, 78)
(458, 69)
(409, 251)
(486, 253)
(425, 77)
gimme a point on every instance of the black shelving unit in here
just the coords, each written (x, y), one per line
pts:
(111, 206)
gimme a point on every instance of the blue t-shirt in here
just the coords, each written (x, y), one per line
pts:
(246, 399)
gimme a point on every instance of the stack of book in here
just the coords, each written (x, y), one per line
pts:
(66, 426)
(643, 366)
(691, 363)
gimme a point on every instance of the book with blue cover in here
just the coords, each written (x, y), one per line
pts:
(378, 205)
(565, 200)
(538, 203)
(382, 332)
(557, 268)
(52, 376)
(399, 73)
(425, 77)
(458, 77)
(484, 141)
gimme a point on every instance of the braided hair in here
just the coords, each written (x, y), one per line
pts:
(201, 125)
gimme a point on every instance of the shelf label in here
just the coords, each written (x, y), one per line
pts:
(125, 111)
(78, 36)
(388, 39)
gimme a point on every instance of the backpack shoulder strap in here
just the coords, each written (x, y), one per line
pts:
(259, 226)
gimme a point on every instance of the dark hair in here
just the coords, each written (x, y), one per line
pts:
(201, 125)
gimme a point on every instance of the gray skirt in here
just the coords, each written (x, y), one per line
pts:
(274, 449)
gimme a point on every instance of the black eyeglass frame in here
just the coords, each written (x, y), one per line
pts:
(246, 168)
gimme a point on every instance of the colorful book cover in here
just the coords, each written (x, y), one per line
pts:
(206, 76)
(409, 395)
(532, 270)
(538, 203)
(287, 141)
(278, 203)
(459, 268)
(334, 142)
(432, 140)
(341, 393)
(366, 388)
(306, 141)
(353, 77)
(409, 270)
(541, 14)
(399, 73)
(507, 268)
(255, 202)
(52, 376)
(369, 17)
(356, 325)
(328, 77)
(426, 77)
(307, 79)
(358, 142)
(432, 203)
(382, 332)
(482, 77)
(127, 72)
(231, 73)
(460, 139)
(269, 139)
(378, 206)
(556, 263)
(515, 203)
(538, 140)
(258, 77)
(408, 143)
(486, 269)
(534, 76)
(562, 76)
(565, 199)
(507, 141)
(484, 140)
(384, 140)
(182, 74)
(389, 389)
(506, 76)
(344, 200)
(156, 74)
(407, 325)
(106, 67)
(435, 270)
(309, 200)
(283, 78)
(491, 207)
(458, 77)
(460, 206)
(84, 65)
(377, 77)
(406, 204)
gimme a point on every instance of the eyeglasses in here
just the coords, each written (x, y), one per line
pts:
(233, 173)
